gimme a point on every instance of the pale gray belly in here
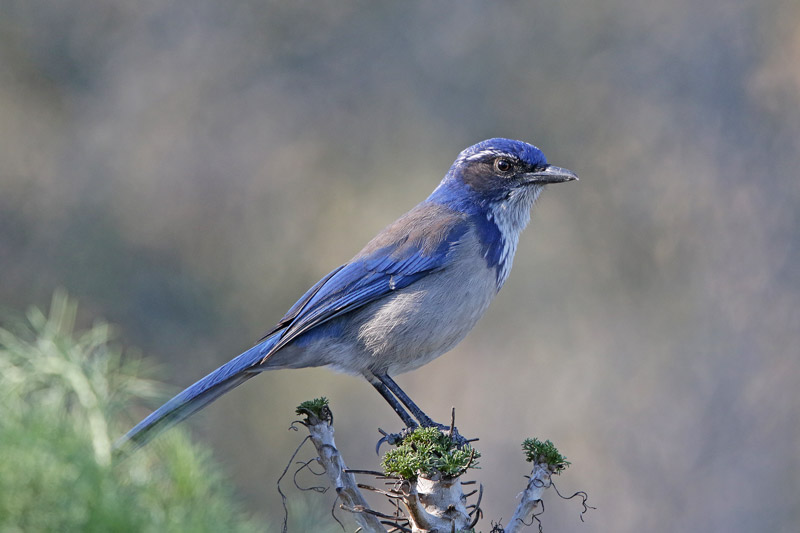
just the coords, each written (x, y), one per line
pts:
(402, 331)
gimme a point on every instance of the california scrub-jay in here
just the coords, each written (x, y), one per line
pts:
(409, 296)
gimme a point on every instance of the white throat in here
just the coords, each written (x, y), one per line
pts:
(511, 216)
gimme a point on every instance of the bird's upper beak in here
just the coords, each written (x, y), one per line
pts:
(550, 174)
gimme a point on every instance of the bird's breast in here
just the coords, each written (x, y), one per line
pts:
(426, 319)
(406, 328)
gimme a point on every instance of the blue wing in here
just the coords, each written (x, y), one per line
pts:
(419, 243)
(292, 313)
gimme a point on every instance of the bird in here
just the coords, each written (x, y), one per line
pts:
(410, 295)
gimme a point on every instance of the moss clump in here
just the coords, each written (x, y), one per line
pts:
(428, 452)
(315, 407)
(316, 411)
(545, 452)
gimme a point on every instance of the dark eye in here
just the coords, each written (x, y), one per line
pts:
(502, 165)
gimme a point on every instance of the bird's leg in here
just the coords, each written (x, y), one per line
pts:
(381, 387)
(411, 425)
(392, 392)
(424, 420)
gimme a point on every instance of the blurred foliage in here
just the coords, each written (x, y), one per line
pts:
(63, 394)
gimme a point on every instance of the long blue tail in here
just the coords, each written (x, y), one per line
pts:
(195, 397)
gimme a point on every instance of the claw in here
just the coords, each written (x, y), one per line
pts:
(383, 439)
(452, 431)
(392, 439)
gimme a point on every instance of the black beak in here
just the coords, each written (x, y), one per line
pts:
(550, 174)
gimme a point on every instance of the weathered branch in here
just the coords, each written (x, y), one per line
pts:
(424, 476)
(531, 497)
(431, 463)
(319, 423)
(436, 504)
(547, 461)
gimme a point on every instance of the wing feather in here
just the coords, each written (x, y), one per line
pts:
(396, 258)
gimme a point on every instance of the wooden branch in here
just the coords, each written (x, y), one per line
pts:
(436, 504)
(425, 472)
(320, 429)
(530, 497)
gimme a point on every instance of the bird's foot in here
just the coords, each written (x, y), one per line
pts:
(458, 440)
(394, 439)
(451, 430)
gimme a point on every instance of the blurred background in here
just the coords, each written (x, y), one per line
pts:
(188, 168)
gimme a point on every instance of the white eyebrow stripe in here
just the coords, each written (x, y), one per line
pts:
(484, 153)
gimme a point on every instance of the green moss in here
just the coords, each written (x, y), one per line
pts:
(316, 407)
(545, 452)
(427, 452)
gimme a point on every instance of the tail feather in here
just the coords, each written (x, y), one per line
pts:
(195, 397)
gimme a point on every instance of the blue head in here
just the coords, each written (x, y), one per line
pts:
(498, 173)
(497, 181)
